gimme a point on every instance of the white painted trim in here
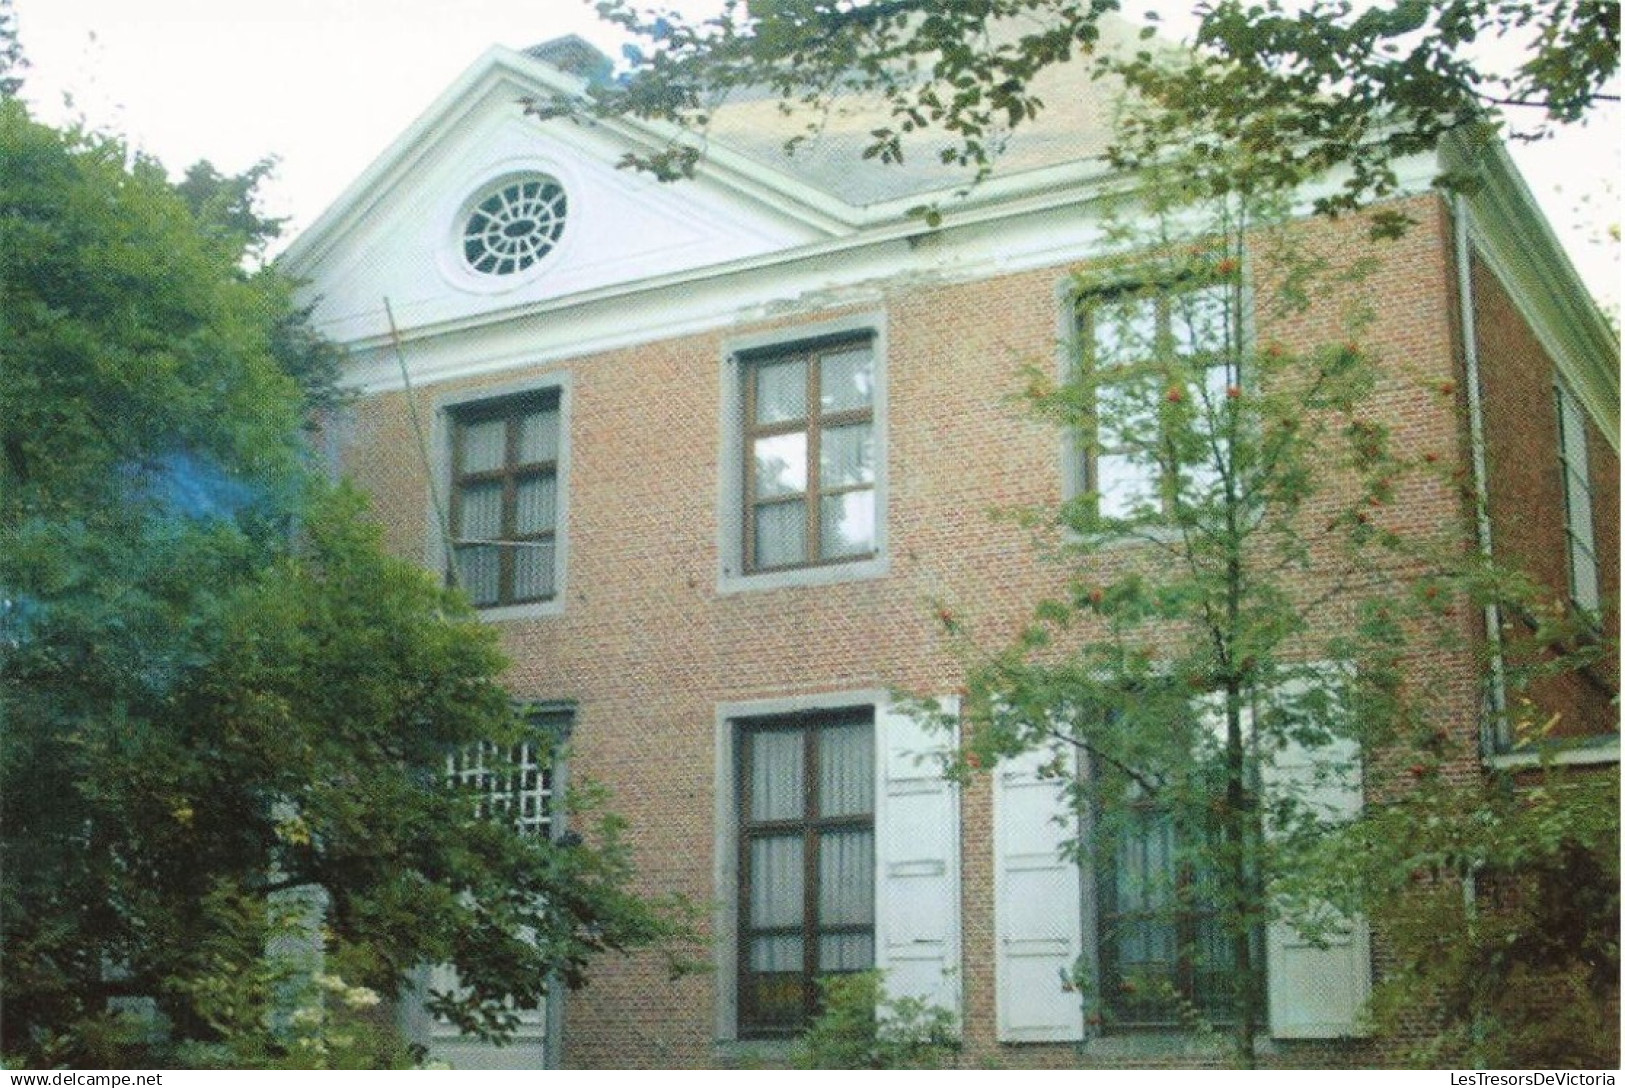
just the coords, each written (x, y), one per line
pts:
(1593, 752)
(1512, 236)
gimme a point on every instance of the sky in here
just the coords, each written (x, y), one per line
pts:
(326, 85)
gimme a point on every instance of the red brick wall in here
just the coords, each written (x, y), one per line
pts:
(1526, 492)
(648, 647)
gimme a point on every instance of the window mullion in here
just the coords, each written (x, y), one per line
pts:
(747, 373)
(814, 458)
(506, 577)
(813, 807)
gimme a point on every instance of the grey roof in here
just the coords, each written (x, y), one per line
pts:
(1074, 125)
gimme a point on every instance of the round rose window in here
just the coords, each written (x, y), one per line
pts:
(514, 226)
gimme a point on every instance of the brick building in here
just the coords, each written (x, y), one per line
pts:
(564, 370)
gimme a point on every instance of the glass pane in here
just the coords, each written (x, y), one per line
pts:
(537, 511)
(846, 878)
(781, 465)
(1200, 320)
(484, 445)
(539, 437)
(781, 534)
(1583, 563)
(481, 514)
(846, 952)
(777, 772)
(776, 999)
(781, 390)
(776, 882)
(1578, 494)
(846, 456)
(1128, 411)
(846, 770)
(775, 955)
(846, 524)
(1145, 866)
(1123, 485)
(1216, 383)
(533, 571)
(1571, 422)
(1124, 332)
(479, 572)
(846, 380)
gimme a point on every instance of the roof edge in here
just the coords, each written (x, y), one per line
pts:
(1512, 234)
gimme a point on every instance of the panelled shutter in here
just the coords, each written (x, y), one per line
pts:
(1317, 989)
(1037, 904)
(917, 941)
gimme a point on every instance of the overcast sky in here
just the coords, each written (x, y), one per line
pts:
(325, 85)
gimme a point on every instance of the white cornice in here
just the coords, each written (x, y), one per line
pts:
(1518, 245)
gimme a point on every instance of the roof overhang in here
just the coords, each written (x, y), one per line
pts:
(1517, 243)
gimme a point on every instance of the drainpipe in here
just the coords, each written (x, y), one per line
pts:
(1494, 734)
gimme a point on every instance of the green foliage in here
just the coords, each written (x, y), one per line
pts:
(1299, 87)
(12, 61)
(1500, 901)
(860, 1027)
(1251, 600)
(219, 693)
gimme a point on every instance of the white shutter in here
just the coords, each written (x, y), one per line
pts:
(1037, 905)
(916, 863)
(1318, 989)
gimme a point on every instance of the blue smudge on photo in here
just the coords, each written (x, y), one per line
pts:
(184, 485)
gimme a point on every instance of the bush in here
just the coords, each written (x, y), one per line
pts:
(861, 1028)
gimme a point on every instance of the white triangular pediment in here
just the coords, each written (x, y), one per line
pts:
(394, 244)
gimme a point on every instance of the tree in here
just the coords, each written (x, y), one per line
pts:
(1306, 86)
(226, 710)
(12, 61)
(1184, 663)
(1240, 627)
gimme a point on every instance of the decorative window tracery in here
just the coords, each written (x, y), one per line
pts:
(515, 225)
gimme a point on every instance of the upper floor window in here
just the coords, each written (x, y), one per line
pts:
(505, 498)
(1577, 520)
(809, 495)
(1161, 363)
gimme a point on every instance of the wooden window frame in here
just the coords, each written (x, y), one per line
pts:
(814, 423)
(512, 411)
(1162, 351)
(1185, 920)
(812, 825)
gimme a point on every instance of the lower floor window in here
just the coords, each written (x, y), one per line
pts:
(806, 862)
(1167, 959)
(521, 785)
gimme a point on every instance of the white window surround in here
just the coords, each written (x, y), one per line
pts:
(731, 575)
(916, 828)
(435, 551)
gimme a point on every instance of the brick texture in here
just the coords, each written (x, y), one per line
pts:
(648, 648)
